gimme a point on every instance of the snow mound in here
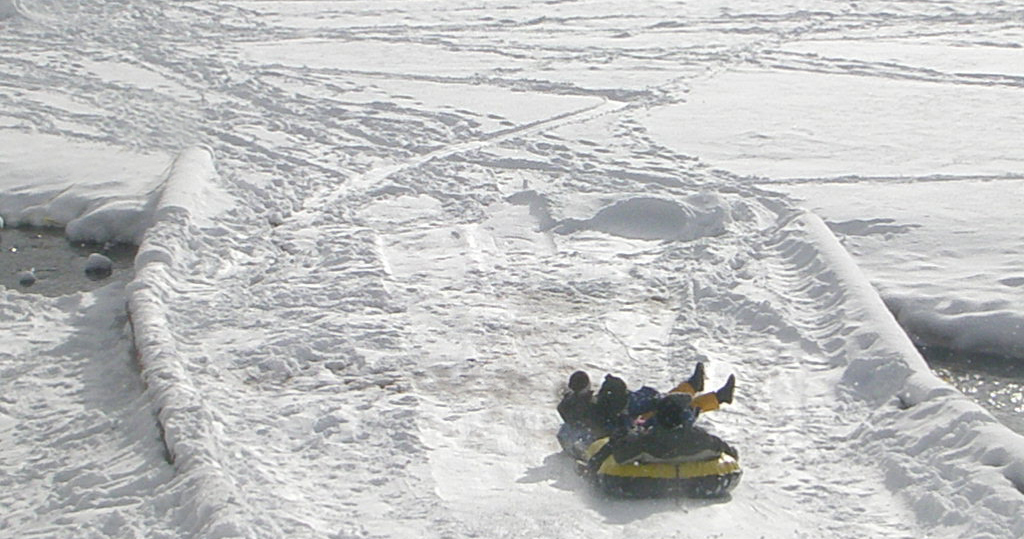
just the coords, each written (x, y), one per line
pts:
(962, 325)
(97, 192)
(187, 186)
(651, 218)
(118, 221)
(85, 216)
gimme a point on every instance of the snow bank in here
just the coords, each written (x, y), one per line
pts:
(97, 192)
(189, 428)
(923, 431)
(85, 214)
(957, 325)
(118, 221)
(862, 372)
(190, 187)
(945, 257)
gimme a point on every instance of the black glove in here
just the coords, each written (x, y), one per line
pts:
(595, 462)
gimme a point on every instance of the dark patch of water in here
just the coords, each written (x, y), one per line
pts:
(58, 265)
(996, 382)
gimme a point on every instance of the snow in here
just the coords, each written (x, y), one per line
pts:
(96, 192)
(910, 127)
(7, 9)
(374, 239)
(939, 120)
(959, 296)
(657, 219)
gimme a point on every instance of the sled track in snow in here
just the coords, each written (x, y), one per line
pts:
(772, 308)
(817, 323)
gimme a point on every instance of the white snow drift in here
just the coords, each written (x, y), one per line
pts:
(357, 294)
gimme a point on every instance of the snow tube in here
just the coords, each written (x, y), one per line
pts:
(713, 478)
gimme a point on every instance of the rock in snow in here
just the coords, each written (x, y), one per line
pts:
(27, 278)
(98, 266)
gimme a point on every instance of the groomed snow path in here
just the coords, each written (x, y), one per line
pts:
(440, 210)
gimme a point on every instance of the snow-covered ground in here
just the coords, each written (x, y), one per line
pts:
(376, 237)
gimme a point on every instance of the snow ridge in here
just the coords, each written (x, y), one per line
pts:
(919, 449)
(868, 309)
(211, 501)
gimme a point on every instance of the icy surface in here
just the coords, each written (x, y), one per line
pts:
(358, 288)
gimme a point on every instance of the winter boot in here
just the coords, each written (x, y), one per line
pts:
(724, 394)
(697, 380)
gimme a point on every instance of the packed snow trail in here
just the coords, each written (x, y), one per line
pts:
(405, 225)
(448, 330)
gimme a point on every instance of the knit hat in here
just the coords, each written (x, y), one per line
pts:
(579, 381)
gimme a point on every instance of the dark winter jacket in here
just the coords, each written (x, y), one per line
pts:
(679, 444)
(577, 407)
